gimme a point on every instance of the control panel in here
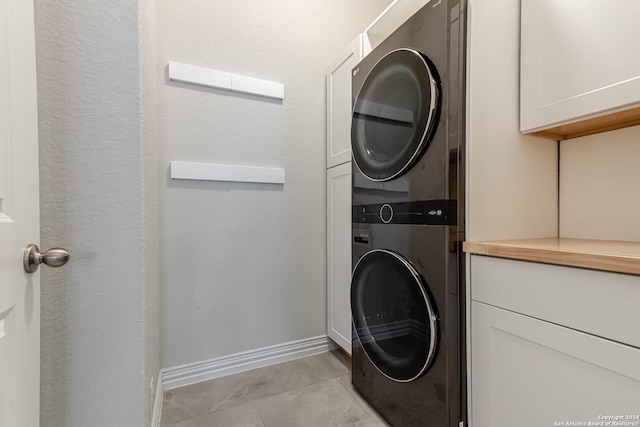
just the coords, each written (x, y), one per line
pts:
(429, 212)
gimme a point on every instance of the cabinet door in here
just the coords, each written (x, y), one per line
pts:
(339, 255)
(578, 60)
(531, 373)
(339, 104)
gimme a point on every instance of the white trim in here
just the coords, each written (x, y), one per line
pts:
(354, 48)
(157, 403)
(192, 373)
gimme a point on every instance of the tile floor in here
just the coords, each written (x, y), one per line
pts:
(313, 391)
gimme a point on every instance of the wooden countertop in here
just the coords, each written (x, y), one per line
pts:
(615, 256)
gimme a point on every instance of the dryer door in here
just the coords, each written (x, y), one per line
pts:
(393, 315)
(395, 114)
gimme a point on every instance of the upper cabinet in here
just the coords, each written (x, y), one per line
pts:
(398, 12)
(580, 70)
(339, 104)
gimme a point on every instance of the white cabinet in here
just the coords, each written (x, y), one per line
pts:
(531, 373)
(339, 104)
(339, 194)
(552, 344)
(580, 71)
(396, 14)
(339, 255)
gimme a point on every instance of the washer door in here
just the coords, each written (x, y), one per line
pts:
(393, 316)
(395, 114)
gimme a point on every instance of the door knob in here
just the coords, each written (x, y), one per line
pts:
(54, 257)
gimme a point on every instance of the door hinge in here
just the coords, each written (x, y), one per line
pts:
(461, 424)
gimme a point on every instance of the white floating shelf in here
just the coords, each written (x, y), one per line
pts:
(232, 173)
(223, 80)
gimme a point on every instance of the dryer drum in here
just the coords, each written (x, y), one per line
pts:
(395, 114)
(393, 315)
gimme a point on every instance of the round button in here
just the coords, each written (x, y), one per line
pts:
(386, 213)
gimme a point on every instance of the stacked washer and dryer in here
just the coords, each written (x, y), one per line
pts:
(407, 288)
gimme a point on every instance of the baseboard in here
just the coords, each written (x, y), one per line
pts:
(157, 402)
(239, 362)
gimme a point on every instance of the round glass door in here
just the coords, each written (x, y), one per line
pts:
(395, 114)
(393, 316)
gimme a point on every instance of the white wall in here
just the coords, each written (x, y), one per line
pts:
(599, 182)
(243, 265)
(99, 341)
(513, 179)
(257, 274)
(512, 182)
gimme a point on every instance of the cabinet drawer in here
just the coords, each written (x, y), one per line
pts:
(600, 303)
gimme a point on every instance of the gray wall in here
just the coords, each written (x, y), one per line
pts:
(243, 265)
(99, 339)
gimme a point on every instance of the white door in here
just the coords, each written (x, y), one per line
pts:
(19, 218)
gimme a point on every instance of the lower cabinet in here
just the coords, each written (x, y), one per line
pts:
(339, 255)
(528, 372)
(531, 372)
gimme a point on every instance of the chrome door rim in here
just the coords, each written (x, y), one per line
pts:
(430, 119)
(433, 319)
